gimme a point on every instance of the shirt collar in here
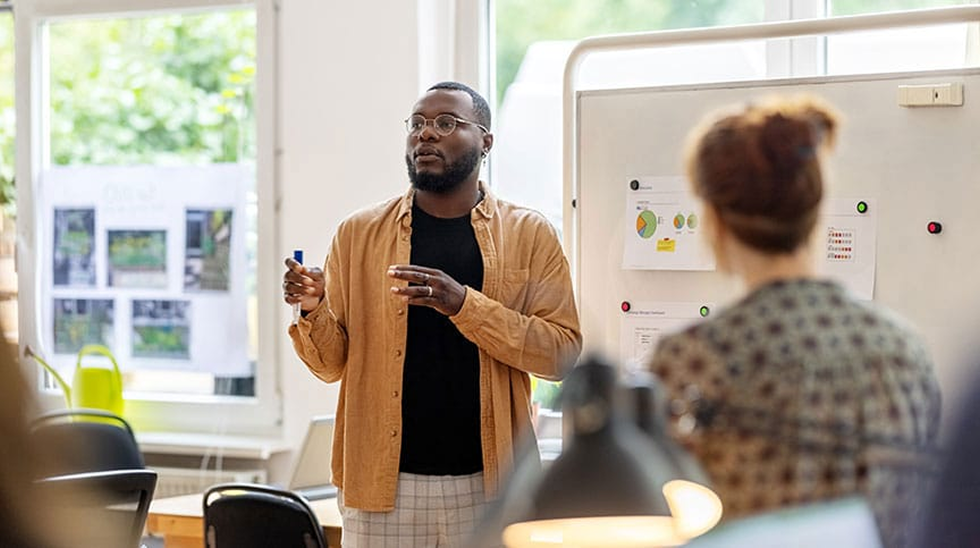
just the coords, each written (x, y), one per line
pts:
(486, 207)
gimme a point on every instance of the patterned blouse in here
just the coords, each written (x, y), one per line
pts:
(805, 394)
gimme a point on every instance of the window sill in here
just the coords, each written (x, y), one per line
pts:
(185, 443)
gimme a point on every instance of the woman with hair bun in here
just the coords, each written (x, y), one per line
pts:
(800, 392)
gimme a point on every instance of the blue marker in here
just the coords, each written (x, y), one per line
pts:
(298, 257)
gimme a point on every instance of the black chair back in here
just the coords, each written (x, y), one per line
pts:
(107, 509)
(244, 515)
(74, 441)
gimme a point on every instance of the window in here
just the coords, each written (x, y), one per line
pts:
(145, 200)
(905, 49)
(172, 90)
(858, 7)
(8, 277)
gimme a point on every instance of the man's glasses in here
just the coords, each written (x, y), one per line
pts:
(444, 124)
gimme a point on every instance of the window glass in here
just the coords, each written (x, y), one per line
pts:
(520, 24)
(169, 90)
(858, 7)
(904, 49)
(533, 40)
(8, 277)
(899, 50)
(147, 203)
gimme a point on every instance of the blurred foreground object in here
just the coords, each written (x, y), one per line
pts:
(619, 482)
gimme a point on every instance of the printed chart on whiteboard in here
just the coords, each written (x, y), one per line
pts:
(846, 243)
(663, 225)
(643, 323)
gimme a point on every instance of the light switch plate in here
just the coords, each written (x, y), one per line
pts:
(931, 95)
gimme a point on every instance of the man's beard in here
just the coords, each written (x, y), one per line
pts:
(454, 174)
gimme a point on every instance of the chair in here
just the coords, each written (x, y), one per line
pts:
(244, 515)
(73, 441)
(107, 509)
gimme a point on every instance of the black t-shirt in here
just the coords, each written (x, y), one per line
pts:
(441, 379)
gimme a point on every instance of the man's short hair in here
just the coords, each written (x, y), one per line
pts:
(480, 107)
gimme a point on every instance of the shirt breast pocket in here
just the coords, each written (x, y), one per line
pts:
(514, 288)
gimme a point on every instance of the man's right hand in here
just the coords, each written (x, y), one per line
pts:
(302, 285)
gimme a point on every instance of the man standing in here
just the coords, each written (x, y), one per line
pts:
(432, 309)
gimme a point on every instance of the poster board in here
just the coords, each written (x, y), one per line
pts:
(147, 261)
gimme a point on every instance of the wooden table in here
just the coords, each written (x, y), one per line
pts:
(180, 520)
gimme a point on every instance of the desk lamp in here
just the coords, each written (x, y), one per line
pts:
(615, 484)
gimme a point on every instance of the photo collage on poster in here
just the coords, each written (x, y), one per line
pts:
(135, 259)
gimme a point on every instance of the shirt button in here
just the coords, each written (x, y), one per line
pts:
(401, 311)
(398, 353)
(394, 433)
(394, 394)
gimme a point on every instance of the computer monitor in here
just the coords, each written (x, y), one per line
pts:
(311, 472)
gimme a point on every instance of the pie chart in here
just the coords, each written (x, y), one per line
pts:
(679, 221)
(646, 224)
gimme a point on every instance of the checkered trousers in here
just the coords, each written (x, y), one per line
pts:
(430, 512)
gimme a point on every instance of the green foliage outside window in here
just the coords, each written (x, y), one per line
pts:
(7, 189)
(163, 90)
(521, 23)
(857, 7)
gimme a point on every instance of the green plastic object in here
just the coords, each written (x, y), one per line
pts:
(92, 387)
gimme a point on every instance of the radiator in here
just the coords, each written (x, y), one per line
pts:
(185, 481)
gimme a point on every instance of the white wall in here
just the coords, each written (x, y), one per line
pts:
(348, 76)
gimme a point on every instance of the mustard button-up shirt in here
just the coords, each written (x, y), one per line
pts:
(523, 320)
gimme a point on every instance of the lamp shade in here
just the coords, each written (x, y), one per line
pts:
(615, 484)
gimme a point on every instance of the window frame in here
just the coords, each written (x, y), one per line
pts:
(260, 415)
(8, 297)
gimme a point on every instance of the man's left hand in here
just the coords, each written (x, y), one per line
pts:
(434, 288)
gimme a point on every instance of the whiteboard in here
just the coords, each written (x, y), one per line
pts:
(915, 165)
